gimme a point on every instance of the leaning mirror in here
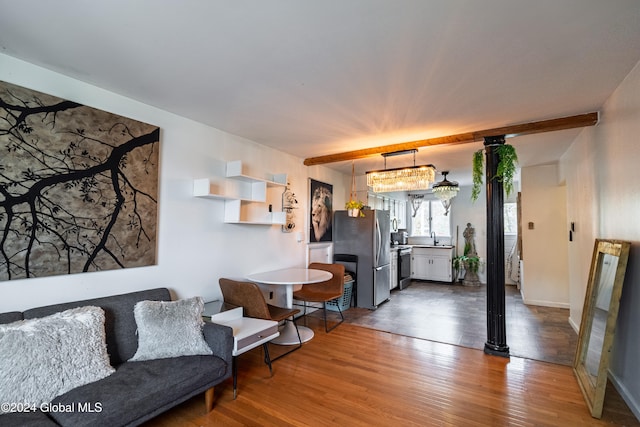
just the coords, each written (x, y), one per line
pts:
(599, 316)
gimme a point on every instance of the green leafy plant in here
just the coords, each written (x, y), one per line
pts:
(355, 204)
(457, 266)
(478, 168)
(470, 263)
(467, 248)
(506, 166)
(505, 172)
(457, 262)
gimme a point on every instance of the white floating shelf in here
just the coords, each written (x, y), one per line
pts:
(245, 196)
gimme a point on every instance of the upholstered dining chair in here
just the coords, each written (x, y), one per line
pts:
(323, 292)
(249, 296)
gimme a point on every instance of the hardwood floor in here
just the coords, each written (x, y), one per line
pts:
(355, 376)
(456, 314)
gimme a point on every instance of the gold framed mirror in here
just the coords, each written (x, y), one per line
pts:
(599, 316)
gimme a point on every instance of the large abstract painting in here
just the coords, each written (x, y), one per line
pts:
(78, 187)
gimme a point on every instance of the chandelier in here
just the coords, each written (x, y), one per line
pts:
(401, 179)
(446, 190)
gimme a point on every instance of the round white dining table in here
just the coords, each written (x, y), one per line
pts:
(288, 278)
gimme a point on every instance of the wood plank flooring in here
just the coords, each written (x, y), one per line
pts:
(355, 376)
(456, 314)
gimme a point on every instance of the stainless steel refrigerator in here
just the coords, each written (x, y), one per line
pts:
(369, 238)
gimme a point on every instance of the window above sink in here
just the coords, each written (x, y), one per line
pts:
(430, 218)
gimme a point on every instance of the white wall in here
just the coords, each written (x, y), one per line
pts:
(544, 248)
(577, 171)
(463, 211)
(602, 175)
(194, 247)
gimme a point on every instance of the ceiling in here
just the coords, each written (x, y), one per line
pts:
(312, 78)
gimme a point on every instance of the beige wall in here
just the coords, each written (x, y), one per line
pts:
(195, 248)
(546, 271)
(602, 174)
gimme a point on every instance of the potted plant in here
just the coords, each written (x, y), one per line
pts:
(506, 170)
(457, 266)
(468, 263)
(471, 263)
(354, 208)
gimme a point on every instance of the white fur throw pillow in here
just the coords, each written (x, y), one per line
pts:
(170, 329)
(45, 357)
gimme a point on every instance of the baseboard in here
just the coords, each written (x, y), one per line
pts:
(574, 325)
(633, 404)
(545, 303)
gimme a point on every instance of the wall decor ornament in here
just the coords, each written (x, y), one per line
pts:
(289, 203)
(321, 211)
(78, 187)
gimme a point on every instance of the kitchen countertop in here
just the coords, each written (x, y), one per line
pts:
(399, 247)
(433, 246)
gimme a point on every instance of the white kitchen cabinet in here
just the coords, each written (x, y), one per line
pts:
(379, 203)
(393, 283)
(397, 208)
(432, 263)
(401, 214)
(247, 199)
(419, 265)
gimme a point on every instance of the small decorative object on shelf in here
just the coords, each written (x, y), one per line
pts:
(247, 199)
(288, 205)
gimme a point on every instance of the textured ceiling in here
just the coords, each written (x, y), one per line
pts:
(318, 77)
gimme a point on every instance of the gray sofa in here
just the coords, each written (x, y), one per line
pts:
(137, 391)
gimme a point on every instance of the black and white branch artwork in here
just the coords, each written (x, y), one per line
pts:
(78, 187)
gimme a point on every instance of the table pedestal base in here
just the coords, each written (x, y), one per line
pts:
(288, 335)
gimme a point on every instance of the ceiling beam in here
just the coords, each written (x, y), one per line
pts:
(582, 120)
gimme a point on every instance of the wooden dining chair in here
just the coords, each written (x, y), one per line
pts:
(324, 292)
(249, 296)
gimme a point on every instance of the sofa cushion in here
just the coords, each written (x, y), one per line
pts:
(170, 329)
(119, 325)
(43, 358)
(11, 316)
(30, 419)
(138, 391)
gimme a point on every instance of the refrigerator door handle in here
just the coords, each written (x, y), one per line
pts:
(378, 241)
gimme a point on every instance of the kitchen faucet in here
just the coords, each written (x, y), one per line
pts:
(433, 236)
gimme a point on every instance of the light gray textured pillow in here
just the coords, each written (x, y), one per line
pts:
(170, 329)
(45, 357)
